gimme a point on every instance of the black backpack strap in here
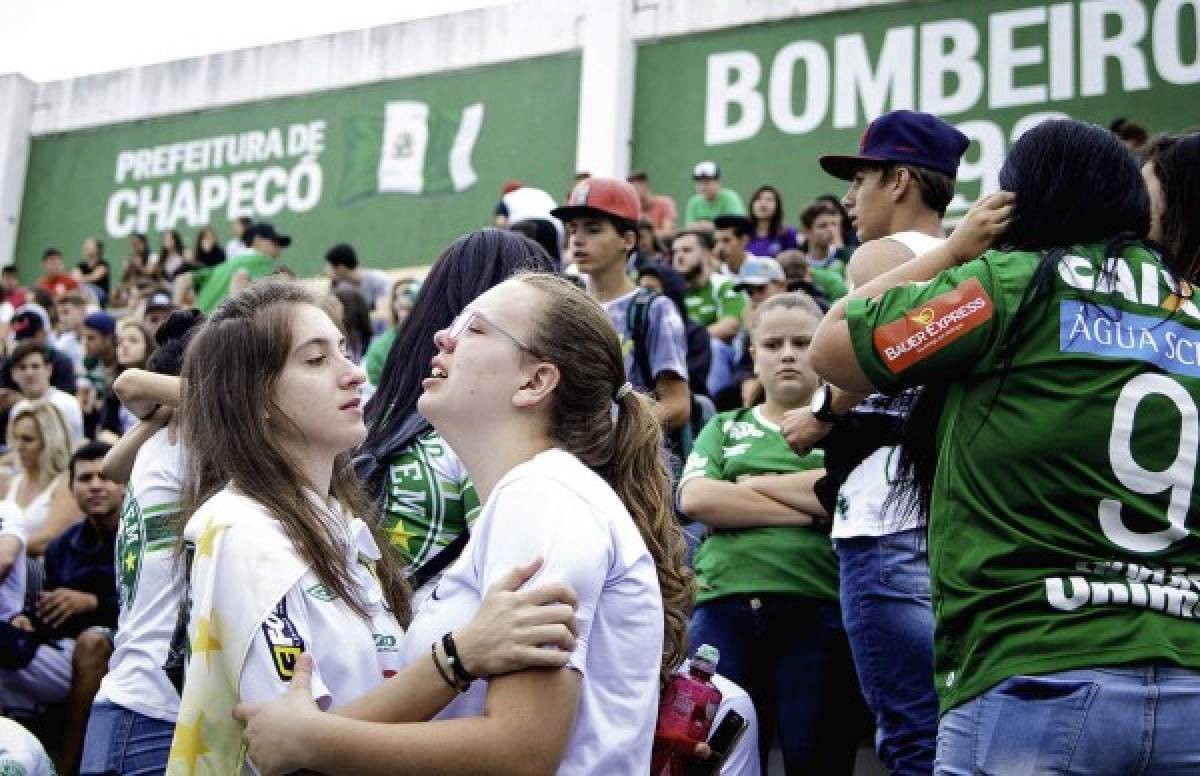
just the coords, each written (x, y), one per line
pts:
(438, 563)
(637, 326)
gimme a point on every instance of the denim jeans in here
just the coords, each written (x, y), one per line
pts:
(889, 622)
(789, 653)
(121, 742)
(1120, 720)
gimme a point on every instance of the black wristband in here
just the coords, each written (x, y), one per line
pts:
(460, 671)
(438, 664)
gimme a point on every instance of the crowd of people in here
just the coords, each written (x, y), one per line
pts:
(929, 491)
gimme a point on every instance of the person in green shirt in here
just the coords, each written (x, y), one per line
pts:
(711, 301)
(710, 200)
(208, 286)
(402, 296)
(425, 495)
(820, 221)
(1053, 454)
(766, 575)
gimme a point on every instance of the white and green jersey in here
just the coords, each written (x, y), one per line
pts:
(20, 753)
(1062, 532)
(149, 583)
(716, 299)
(775, 559)
(429, 499)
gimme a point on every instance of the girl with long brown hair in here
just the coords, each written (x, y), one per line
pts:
(529, 388)
(284, 563)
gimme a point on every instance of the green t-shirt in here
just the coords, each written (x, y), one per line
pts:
(778, 559)
(377, 353)
(212, 283)
(429, 499)
(831, 282)
(727, 203)
(716, 299)
(1058, 534)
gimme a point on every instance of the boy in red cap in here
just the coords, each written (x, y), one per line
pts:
(602, 223)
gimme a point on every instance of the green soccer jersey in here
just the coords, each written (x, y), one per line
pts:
(1058, 534)
(429, 499)
(726, 203)
(376, 356)
(777, 559)
(830, 281)
(716, 299)
(212, 283)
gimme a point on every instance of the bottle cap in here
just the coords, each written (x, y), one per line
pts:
(706, 658)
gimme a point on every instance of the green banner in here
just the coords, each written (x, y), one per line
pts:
(398, 169)
(765, 101)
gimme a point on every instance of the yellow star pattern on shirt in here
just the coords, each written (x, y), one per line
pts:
(189, 743)
(208, 637)
(399, 536)
(204, 545)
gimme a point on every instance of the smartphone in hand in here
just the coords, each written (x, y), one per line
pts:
(724, 737)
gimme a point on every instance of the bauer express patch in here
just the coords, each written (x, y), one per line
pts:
(925, 330)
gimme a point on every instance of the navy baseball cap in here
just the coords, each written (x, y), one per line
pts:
(903, 137)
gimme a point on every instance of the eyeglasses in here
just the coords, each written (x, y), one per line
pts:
(467, 317)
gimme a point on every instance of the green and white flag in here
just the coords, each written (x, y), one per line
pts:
(410, 149)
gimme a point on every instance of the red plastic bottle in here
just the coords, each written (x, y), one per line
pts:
(685, 713)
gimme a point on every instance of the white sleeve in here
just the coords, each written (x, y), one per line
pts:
(545, 519)
(271, 660)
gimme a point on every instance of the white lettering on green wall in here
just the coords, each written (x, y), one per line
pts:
(193, 201)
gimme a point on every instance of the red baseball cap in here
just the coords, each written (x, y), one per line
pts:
(604, 196)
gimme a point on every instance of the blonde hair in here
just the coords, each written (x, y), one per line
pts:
(56, 440)
(573, 332)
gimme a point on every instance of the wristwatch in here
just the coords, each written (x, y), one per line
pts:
(822, 405)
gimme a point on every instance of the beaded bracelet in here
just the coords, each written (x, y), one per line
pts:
(460, 671)
(445, 676)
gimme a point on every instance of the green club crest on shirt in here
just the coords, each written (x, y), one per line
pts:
(142, 531)
(130, 546)
(320, 592)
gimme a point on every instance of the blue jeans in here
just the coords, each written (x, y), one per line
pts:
(121, 742)
(789, 653)
(1126, 720)
(889, 621)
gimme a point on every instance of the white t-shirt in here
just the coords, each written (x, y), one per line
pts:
(67, 404)
(20, 753)
(860, 510)
(554, 507)
(149, 582)
(12, 589)
(69, 344)
(351, 656)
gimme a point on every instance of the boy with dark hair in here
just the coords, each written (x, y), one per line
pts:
(732, 236)
(29, 366)
(821, 222)
(344, 272)
(54, 277)
(900, 184)
(601, 216)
